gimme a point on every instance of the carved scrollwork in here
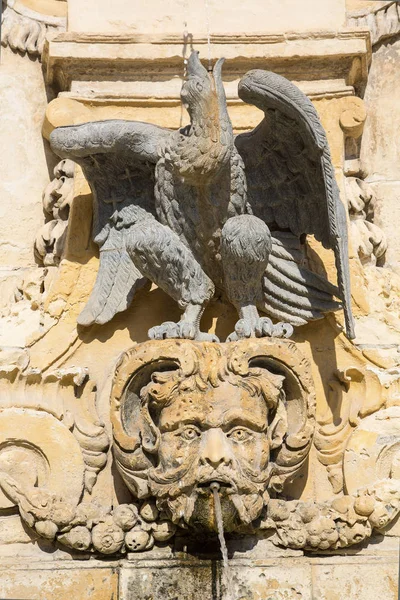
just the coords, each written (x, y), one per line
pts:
(187, 415)
(368, 456)
(69, 397)
(52, 447)
(353, 393)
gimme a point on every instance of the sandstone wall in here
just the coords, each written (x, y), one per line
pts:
(197, 18)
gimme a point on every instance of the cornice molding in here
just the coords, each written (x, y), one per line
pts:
(325, 55)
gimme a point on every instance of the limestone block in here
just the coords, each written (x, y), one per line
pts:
(368, 581)
(380, 152)
(199, 579)
(58, 582)
(158, 16)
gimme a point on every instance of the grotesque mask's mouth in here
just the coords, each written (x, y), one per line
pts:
(222, 484)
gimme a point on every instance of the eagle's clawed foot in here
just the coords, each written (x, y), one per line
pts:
(184, 330)
(260, 327)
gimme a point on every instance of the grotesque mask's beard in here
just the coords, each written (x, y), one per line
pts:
(185, 495)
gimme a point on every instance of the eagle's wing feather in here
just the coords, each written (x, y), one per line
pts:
(292, 292)
(291, 181)
(118, 159)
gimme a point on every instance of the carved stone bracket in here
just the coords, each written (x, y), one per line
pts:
(57, 197)
(368, 239)
(25, 30)
(382, 19)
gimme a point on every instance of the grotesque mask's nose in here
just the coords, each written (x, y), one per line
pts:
(215, 449)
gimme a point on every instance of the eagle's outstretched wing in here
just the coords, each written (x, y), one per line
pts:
(118, 160)
(290, 177)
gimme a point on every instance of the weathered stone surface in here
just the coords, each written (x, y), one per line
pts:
(23, 172)
(380, 150)
(129, 65)
(58, 582)
(196, 579)
(158, 17)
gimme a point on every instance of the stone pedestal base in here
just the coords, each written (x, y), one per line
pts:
(261, 572)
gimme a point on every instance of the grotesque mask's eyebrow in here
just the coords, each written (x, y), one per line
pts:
(174, 423)
(234, 418)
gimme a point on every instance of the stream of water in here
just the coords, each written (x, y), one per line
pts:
(226, 573)
(207, 8)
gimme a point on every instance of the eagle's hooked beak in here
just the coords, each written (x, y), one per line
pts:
(194, 66)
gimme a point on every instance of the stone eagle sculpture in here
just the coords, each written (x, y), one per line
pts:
(201, 212)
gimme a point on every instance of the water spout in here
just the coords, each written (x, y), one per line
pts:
(227, 580)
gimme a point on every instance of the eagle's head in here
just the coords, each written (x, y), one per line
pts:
(202, 92)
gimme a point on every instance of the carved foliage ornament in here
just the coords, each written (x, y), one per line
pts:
(50, 240)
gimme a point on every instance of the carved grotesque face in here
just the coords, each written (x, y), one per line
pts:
(222, 434)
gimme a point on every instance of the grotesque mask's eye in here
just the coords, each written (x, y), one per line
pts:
(239, 434)
(199, 86)
(190, 433)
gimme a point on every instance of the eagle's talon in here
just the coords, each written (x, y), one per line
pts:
(264, 327)
(183, 330)
(283, 330)
(261, 327)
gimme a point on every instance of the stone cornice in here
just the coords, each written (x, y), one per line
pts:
(216, 38)
(316, 56)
